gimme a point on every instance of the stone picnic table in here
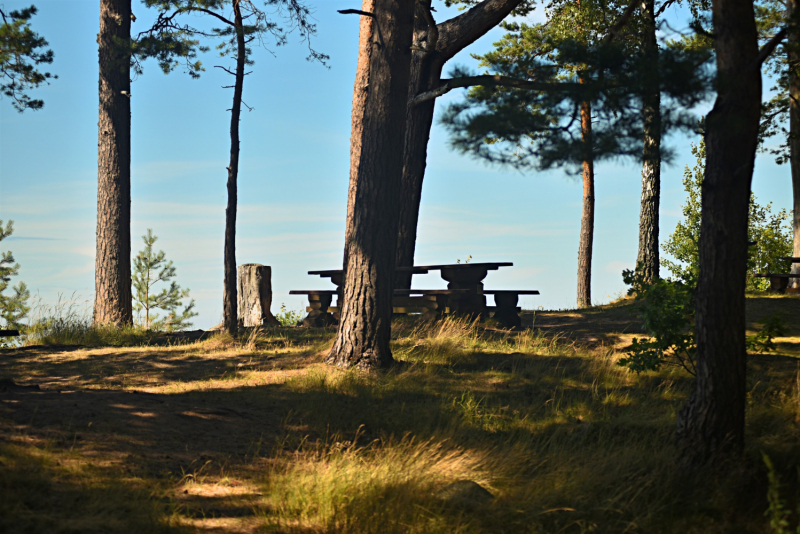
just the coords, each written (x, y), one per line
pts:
(464, 295)
(779, 282)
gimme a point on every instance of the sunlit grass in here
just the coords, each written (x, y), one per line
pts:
(565, 439)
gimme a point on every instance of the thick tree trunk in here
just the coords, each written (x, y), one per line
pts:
(229, 300)
(378, 130)
(712, 422)
(587, 217)
(647, 258)
(794, 128)
(112, 286)
(426, 70)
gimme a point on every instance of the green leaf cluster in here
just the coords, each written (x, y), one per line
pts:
(288, 317)
(14, 307)
(21, 52)
(763, 340)
(150, 268)
(770, 18)
(771, 233)
(667, 311)
(572, 59)
(172, 41)
(777, 511)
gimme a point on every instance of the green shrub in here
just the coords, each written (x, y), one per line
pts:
(667, 312)
(288, 317)
(771, 233)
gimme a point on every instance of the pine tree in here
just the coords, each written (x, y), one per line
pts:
(13, 308)
(21, 51)
(574, 90)
(150, 268)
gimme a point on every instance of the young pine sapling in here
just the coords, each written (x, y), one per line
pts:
(150, 268)
(13, 308)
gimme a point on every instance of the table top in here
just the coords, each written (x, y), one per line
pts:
(334, 272)
(492, 266)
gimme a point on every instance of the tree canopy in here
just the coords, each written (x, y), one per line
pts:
(22, 52)
(586, 51)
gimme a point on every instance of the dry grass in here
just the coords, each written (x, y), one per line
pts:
(258, 435)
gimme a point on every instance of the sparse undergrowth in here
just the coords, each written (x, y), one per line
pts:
(257, 435)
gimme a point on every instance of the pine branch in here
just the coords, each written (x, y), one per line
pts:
(489, 80)
(623, 20)
(768, 48)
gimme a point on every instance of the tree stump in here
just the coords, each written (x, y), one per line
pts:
(255, 295)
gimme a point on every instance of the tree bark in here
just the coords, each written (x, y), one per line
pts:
(229, 300)
(378, 130)
(112, 293)
(712, 422)
(255, 295)
(793, 47)
(587, 217)
(647, 259)
(426, 71)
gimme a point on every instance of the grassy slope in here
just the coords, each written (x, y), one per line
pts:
(260, 436)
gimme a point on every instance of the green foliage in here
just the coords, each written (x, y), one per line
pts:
(667, 310)
(13, 308)
(288, 317)
(770, 231)
(770, 18)
(150, 268)
(776, 512)
(772, 327)
(172, 41)
(683, 243)
(21, 52)
(567, 60)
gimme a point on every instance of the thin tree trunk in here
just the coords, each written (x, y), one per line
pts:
(587, 217)
(712, 422)
(426, 70)
(112, 287)
(230, 312)
(794, 131)
(378, 129)
(647, 258)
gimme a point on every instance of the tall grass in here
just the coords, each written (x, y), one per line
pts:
(69, 322)
(564, 439)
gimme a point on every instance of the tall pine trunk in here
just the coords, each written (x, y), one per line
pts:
(647, 258)
(587, 216)
(794, 129)
(376, 155)
(229, 304)
(712, 422)
(112, 287)
(426, 71)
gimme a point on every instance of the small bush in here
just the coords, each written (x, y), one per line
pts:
(288, 317)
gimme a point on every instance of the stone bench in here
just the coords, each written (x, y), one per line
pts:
(778, 282)
(505, 308)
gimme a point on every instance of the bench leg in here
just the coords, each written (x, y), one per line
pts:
(506, 309)
(778, 284)
(318, 311)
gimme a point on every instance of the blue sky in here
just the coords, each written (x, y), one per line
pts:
(293, 177)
